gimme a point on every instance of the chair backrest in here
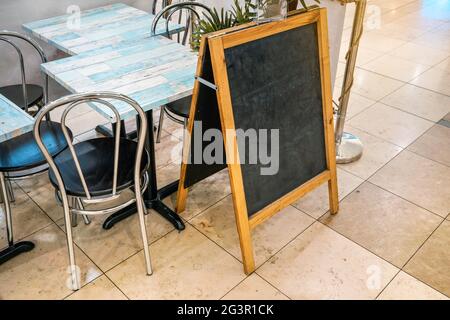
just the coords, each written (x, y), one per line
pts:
(106, 99)
(5, 37)
(164, 3)
(187, 13)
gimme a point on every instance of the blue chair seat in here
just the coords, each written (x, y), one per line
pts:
(22, 152)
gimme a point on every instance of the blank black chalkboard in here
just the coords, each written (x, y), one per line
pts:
(275, 83)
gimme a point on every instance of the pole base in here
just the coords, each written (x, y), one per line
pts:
(350, 149)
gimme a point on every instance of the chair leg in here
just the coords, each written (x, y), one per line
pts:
(185, 127)
(74, 216)
(9, 227)
(75, 281)
(148, 263)
(161, 121)
(10, 190)
(86, 219)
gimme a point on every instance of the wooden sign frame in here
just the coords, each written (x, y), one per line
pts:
(216, 44)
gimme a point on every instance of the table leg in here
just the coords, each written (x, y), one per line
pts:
(152, 197)
(13, 249)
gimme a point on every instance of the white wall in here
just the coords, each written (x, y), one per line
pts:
(13, 13)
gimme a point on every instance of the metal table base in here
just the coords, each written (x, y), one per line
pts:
(14, 250)
(152, 197)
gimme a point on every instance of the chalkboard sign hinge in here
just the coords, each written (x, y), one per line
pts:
(206, 83)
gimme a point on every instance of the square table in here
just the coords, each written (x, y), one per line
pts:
(13, 120)
(114, 51)
(106, 26)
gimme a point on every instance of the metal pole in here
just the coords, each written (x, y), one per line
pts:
(348, 147)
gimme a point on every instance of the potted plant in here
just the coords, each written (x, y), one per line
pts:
(293, 4)
(239, 14)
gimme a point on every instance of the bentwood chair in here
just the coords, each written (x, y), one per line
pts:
(178, 111)
(164, 3)
(99, 170)
(24, 95)
(20, 157)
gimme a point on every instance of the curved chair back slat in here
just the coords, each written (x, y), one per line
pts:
(188, 8)
(164, 3)
(22, 71)
(12, 34)
(72, 102)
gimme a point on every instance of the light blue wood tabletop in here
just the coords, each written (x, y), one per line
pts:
(97, 28)
(13, 120)
(152, 70)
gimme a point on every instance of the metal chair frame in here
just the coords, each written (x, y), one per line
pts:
(167, 13)
(6, 189)
(77, 204)
(4, 37)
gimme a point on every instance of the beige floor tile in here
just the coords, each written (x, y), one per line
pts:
(447, 117)
(186, 265)
(91, 134)
(394, 15)
(107, 248)
(420, 54)
(383, 223)
(365, 55)
(43, 272)
(376, 154)
(421, 102)
(434, 40)
(316, 202)
(27, 217)
(431, 264)
(42, 192)
(218, 224)
(390, 124)
(372, 85)
(78, 111)
(434, 79)
(423, 19)
(397, 68)
(405, 287)
(419, 180)
(202, 195)
(99, 289)
(444, 65)
(85, 122)
(356, 104)
(398, 31)
(380, 42)
(168, 151)
(254, 288)
(321, 264)
(434, 144)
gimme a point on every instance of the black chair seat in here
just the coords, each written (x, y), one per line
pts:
(96, 159)
(14, 93)
(180, 107)
(22, 152)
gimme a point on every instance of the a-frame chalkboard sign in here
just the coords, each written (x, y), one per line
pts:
(272, 77)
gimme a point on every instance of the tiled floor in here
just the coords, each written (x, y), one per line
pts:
(391, 239)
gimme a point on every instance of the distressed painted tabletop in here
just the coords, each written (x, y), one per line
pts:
(116, 24)
(13, 120)
(151, 70)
